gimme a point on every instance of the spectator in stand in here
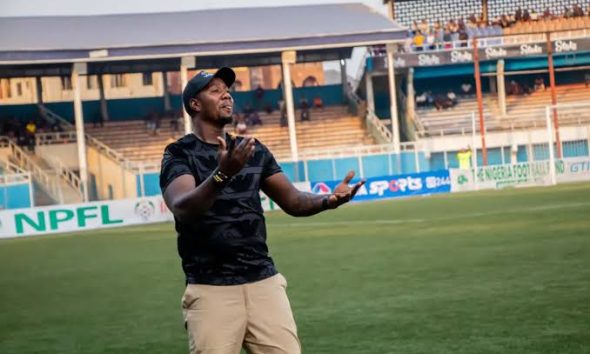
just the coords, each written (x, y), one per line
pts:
(318, 102)
(429, 98)
(304, 106)
(547, 14)
(466, 88)
(421, 100)
(506, 21)
(240, 124)
(259, 95)
(463, 38)
(30, 131)
(441, 102)
(283, 110)
(587, 78)
(567, 13)
(578, 12)
(447, 38)
(248, 111)
(526, 16)
(149, 123)
(430, 39)
(454, 30)
(174, 123)
(452, 98)
(514, 88)
(439, 34)
(419, 41)
(253, 119)
(424, 27)
(56, 127)
(98, 120)
(518, 15)
(539, 84)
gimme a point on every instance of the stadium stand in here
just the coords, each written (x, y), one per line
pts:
(334, 140)
(331, 127)
(522, 111)
(456, 22)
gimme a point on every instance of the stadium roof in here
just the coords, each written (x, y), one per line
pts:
(208, 33)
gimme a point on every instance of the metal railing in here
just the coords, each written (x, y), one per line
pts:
(15, 178)
(498, 41)
(67, 137)
(70, 136)
(53, 118)
(47, 178)
(69, 176)
(379, 130)
(360, 70)
(13, 174)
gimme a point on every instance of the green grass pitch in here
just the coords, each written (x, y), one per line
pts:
(484, 272)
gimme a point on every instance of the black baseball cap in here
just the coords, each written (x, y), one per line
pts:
(202, 79)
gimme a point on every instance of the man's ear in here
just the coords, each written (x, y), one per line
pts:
(195, 105)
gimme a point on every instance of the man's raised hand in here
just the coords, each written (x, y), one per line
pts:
(343, 193)
(232, 160)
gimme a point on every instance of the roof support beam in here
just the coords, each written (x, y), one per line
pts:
(185, 64)
(393, 99)
(288, 58)
(77, 70)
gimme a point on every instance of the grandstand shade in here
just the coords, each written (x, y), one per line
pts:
(154, 42)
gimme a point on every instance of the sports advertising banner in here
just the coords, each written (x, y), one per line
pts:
(574, 169)
(495, 52)
(520, 175)
(78, 217)
(393, 186)
(96, 215)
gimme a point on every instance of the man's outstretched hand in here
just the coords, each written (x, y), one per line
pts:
(343, 193)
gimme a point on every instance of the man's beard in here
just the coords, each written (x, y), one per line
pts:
(225, 120)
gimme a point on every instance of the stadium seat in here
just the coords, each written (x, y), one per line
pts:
(331, 128)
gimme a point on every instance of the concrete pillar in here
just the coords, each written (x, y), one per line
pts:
(393, 99)
(77, 70)
(410, 106)
(185, 64)
(391, 9)
(344, 80)
(288, 58)
(501, 86)
(167, 105)
(39, 89)
(411, 99)
(370, 92)
(493, 86)
(104, 110)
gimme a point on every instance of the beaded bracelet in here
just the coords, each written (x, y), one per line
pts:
(220, 179)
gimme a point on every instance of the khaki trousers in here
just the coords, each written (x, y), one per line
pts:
(256, 316)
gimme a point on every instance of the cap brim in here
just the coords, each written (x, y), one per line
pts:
(227, 75)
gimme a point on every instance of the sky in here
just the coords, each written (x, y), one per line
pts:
(22, 8)
(12, 8)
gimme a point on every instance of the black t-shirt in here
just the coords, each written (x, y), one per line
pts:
(227, 244)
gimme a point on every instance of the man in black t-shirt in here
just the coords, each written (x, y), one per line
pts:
(234, 296)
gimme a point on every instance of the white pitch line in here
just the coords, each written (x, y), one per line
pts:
(446, 218)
